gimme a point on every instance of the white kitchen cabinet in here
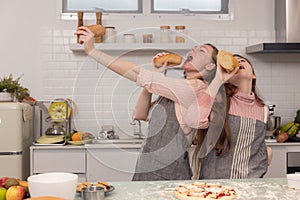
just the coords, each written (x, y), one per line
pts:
(111, 164)
(107, 162)
(116, 162)
(58, 159)
(278, 166)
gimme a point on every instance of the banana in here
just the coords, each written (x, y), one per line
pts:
(286, 127)
(293, 130)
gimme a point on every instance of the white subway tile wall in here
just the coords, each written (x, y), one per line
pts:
(105, 98)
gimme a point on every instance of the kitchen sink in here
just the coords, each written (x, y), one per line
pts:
(118, 141)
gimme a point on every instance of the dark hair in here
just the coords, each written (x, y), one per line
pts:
(215, 52)
(213, 72)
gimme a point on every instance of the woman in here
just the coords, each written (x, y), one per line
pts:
(183, 92)
(164, 153)
(241, 151)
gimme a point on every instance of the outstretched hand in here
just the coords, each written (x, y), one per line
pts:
(86, 37)
(225, 76)
(162, 68)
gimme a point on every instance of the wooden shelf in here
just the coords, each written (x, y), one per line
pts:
(136, 46)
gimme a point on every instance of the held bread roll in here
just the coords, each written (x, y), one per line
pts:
(97, 29)
(227, 61)
(173, 60)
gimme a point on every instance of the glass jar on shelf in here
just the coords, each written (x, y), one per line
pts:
(129, 38)
(180, 32)
(110, 34)
(164, 34)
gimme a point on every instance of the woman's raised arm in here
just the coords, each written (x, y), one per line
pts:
(124, 68)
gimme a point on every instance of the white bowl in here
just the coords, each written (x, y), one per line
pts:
(293, 181)
(57, 184)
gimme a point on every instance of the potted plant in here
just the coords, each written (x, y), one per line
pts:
(11, 90)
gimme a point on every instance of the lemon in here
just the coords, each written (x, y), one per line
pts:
(58, 111)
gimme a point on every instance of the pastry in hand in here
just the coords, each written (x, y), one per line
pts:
(227, 61)
(172, 60)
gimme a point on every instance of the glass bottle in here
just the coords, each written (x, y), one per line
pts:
(180, 30)
(164, 34)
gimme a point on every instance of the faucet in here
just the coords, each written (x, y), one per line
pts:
(137, 132)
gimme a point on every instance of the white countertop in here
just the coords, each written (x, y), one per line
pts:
(136, 143)
(254, 189)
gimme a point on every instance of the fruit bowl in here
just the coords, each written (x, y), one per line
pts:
(57, 184)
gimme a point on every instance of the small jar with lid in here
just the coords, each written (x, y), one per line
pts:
(110, 34)
(180, 31)
(164, 34)
(129, 38)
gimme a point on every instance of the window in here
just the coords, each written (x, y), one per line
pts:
(109, 6)
(190, 6)
(206, 9)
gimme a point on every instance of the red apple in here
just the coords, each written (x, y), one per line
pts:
(2, 181)
(15, 193)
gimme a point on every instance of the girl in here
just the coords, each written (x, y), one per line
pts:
(241, 151)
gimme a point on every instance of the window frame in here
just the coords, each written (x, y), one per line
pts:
(146, 13)
(138, 11)
(224, 10)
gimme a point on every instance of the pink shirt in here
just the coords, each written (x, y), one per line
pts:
(183, 92)
(244, 105)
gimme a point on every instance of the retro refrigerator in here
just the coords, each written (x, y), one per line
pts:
(16, 136)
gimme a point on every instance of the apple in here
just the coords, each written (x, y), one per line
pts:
(24, 184)
(3, 193)
(15, 192)
(2, 181)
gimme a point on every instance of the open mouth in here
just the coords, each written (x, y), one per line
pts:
(242, 67)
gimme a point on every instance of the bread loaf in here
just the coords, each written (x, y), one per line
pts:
(173, 60)
(97, 29)
(227, 61)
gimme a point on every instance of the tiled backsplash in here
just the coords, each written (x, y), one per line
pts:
(103, 98)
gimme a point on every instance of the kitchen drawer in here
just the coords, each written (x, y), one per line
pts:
(111, 164)
(63, 160)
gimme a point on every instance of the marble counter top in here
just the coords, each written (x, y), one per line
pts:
(247, 189)
(121, 144)
(137, 143)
